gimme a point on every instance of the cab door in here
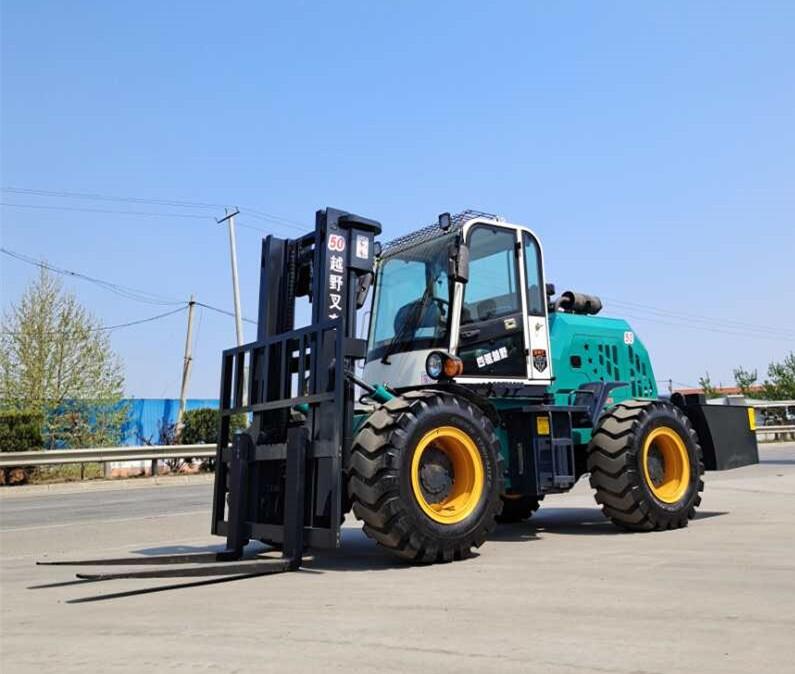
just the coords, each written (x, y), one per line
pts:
(492, 340)
(539, 358)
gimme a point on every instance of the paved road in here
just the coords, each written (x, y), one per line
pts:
(98, 503)
(102, 505)
(565, 592)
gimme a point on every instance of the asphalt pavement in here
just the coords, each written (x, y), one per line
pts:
(90, 506)
(564, 592)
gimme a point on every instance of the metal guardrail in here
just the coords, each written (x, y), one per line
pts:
(774, 431)
(773, 403)
(763, 433)
(154, 453)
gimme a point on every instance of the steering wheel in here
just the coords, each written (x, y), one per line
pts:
(443, 304)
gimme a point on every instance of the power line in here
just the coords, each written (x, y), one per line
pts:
(678, 383)
(743, 326)
(93, 196)
(143, 320)
(723, 331)
(124, 291)
(727, 329)
(109, 211)
(223, 311)
(103, 328)
(276, 219)
(658, 315)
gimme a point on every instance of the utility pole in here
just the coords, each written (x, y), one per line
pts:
(186, 365)
(229, 218)
(183, 389)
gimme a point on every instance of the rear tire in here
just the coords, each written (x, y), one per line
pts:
(646, 466)
(425, 475)
(517, 508)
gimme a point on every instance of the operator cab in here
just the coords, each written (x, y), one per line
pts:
(471, 286)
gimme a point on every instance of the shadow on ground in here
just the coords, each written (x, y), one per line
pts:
(357, 552)
(569, 521)
(252, 549)
(580, 521)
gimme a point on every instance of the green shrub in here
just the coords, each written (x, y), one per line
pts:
(200, 426)
(20, 431)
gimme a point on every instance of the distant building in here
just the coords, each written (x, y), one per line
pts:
(721, 390)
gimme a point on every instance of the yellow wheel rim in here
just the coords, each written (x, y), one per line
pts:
(447, 475)
(666, 464)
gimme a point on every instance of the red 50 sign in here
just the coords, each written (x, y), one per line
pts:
(336, 242)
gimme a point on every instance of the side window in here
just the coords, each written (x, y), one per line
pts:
(492, 288)
(532, 272)
(406, 282)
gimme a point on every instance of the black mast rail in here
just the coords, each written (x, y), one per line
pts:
(281, 481)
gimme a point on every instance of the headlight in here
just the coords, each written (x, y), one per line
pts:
(434, 365)
(440, 365)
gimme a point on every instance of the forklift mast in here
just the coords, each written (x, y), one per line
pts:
(280, 480)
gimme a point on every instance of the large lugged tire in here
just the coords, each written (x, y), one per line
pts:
(518, 507)
(425, 476)
(646, 466)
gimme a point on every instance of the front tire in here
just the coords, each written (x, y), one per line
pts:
(425, 475)
(646, 466)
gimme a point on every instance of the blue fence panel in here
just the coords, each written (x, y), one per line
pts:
(151, 418)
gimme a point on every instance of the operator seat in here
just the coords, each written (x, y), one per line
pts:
(431, 317)
(486, 309)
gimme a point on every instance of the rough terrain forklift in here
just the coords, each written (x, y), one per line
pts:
(481, 393)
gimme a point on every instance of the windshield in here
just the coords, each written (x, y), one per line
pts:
(411, 306)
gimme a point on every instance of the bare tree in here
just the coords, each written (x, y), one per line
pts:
(57, 362)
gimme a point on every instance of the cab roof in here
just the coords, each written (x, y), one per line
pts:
(433, 231)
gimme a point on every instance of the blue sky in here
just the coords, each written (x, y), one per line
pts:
(650, 145)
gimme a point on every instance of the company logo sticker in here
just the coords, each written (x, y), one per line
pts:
(490, 357)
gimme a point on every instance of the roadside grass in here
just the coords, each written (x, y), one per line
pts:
(73, 472)
(77, 472)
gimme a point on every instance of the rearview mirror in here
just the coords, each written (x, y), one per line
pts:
(459, 263)
(363, 284)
